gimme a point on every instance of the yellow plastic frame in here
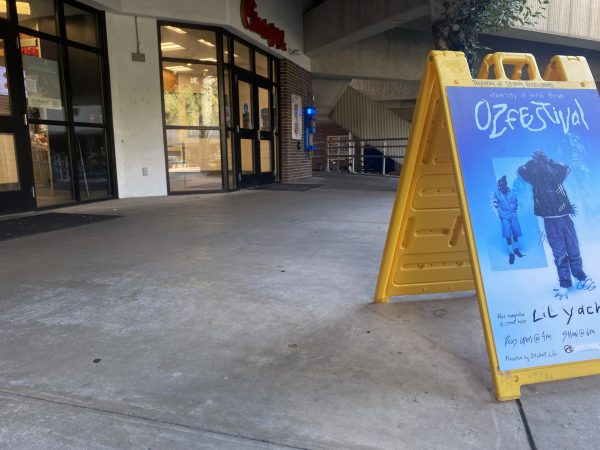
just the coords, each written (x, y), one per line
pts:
(430, 246)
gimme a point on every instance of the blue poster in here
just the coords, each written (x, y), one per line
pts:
(530, 161)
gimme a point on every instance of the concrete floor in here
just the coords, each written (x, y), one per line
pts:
(244, 321)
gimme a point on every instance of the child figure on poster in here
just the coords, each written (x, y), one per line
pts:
(506, 203)
(552, 204)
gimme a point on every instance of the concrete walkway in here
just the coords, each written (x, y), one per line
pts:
(244, 321)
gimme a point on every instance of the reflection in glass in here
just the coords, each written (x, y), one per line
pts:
(241, 55)
(92, 156)
(194, 158)
(230, 172)
(4, 87)
(9, 175)
(51, 171)
(275, 114)
(3, 9)
(42, 78)
(274, 71)
(247, 153)
(275, 157)
(227, 100)
(264, 109)
(37, 15)
(188, 43)
(262, 64)
(86, 86)
(81, 26)
(245, 104)
(265, 156)
(225, 49)
(191, 94)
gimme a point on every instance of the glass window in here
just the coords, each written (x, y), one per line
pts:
(194, 158)
(38, 15)
(51, 167)
(274, 71)
(265, 156)
(86, 86)
(264, 110)
(226, 49)
(42, 78)
(3, 9)
(261, 62)
(227, 99)
(9, 174)
(241, 55)
(247, 153)
(230, 172)
(245, 104)
(188, 43)
(90, 148)
(275, 114)
(275, 156)
(81, 26)
(5, 109)
(191, 94)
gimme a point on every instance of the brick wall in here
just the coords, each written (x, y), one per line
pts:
(324, 129)
(295, 163)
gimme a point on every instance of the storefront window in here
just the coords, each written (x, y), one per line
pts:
(225, 49)
(86, 86)
(51, 167)
(208, 149)
(194, 158)
(66, 155)
(38, 15)
(245, 104)
(43, 84)
(191, 94)
(262, 64)
(5, 108)
(3, 9)
(9, 174)
(92, 155)
(241, 55)
(188, 43)
(82, 26)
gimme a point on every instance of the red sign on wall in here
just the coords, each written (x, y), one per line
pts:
(252, 21)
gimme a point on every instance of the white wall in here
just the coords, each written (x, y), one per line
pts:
(136, 107)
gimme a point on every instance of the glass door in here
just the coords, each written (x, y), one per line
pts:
(17, 190)
(254, 131)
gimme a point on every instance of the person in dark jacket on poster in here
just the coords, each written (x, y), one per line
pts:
(506, 203)
(550, 201)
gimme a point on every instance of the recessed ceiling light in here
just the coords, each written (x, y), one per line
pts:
(175, 29)
(208, 59)
(209, 44)
(178, 69)
(23, 8)
(168, 46)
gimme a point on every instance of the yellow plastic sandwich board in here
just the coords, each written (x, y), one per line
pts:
(498, 194)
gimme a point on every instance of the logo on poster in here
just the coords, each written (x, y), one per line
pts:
(498, 118)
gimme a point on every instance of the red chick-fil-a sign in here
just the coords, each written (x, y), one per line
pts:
(252, 21)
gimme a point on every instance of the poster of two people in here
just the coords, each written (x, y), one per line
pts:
(530, 165)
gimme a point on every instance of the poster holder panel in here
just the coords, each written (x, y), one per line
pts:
(430, 246)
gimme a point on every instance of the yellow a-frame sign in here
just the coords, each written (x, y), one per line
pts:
(438, 228)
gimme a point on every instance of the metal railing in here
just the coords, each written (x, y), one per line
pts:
(378, 156)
